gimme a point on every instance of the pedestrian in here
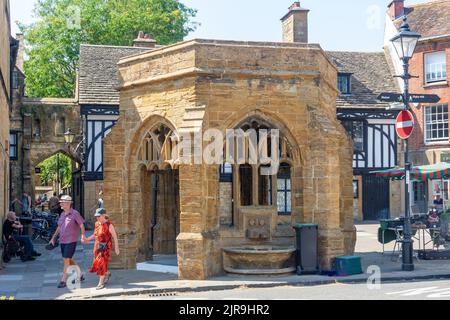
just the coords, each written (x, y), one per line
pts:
(53, 204)
(100, 202)
(12, 228)
(69, 224)
(103, 235)
(26, 203)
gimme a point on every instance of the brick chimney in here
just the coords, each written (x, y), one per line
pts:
(295, 24)
(20, 51)
(144, 41)
(396, 9)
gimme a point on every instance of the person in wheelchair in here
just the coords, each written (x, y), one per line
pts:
(12, 228)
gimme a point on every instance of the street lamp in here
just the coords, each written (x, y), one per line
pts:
(404, 44)
(69, 136)
(78, 155)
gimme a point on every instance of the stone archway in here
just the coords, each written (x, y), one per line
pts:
(40, 125)
(38, 156)
(159, 220)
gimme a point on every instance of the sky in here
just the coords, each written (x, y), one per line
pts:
(340, 25)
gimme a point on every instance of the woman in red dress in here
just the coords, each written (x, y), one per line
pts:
(103, 235)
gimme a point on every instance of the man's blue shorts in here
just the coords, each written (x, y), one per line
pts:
(68, 250)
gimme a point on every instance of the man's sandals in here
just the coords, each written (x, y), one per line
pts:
(62, 284)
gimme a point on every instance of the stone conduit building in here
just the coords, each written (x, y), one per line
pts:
(160, 206)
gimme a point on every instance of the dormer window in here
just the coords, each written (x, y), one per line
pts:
(344, 83)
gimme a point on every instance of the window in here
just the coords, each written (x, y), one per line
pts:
(265, 189)
(15, 80)
(60, 126)
(356, 130)
(435, 67)
(226, 173)
(246, 179)
(344, 83)
(13, 146)
(37, 128)
(436, 123)
(284, 190)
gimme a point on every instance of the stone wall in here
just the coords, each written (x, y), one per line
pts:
(202, 84)
(40, 124)
(5, 30)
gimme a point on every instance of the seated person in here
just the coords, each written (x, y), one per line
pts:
(438, 202)
(433, 216)
(11, 225)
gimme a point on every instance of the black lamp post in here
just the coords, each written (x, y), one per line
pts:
(69, 138)
(405, 43)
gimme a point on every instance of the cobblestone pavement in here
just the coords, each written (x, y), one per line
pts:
(38, 279)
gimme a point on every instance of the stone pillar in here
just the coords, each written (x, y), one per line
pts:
(347, 203)
(326, 193)
(196, 244)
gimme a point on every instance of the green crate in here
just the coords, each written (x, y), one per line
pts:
(348, 265)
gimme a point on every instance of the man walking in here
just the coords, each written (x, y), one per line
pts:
(69, 225)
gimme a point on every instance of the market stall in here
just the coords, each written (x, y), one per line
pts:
(421, 223)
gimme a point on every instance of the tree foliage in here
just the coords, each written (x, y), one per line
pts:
(49, 170)
(53, 42)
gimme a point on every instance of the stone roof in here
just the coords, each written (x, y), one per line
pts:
(371, 75)
(430, 19)
(99, 74)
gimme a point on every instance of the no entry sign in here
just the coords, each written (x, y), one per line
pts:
(404, 124)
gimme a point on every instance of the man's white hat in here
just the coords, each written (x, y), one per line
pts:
(66, 199)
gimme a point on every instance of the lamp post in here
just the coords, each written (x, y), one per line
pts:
(69, 138)
(404, 44)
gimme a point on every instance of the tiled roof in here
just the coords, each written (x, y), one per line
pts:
(430, 19)
(99, 75)
(371, 75)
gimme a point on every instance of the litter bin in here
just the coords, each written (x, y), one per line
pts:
(307, 253)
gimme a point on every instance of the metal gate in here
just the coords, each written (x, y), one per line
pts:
(375, 198)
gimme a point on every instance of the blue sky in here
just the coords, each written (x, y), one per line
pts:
(345, 25)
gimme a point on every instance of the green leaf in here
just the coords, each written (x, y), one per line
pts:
(53, 43)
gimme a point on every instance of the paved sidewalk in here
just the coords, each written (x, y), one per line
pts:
(38, 279)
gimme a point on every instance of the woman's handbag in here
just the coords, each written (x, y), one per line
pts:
(102, 247)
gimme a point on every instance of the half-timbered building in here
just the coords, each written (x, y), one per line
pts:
(99, 107)
(371, 124)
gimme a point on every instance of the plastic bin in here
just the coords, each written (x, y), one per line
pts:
(307, 254)
(348, 265)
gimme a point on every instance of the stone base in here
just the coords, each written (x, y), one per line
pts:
(191, 252)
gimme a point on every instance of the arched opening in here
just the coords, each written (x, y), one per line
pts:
(159, 195)
(55, 175)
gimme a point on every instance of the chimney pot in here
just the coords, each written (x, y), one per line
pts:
(295, 5)
(144, 41)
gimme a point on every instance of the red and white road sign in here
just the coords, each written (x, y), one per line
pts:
(404, 125)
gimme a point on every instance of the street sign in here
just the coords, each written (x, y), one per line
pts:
(424, 98)
(404, 125)
(390, 97)
(413, 97)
